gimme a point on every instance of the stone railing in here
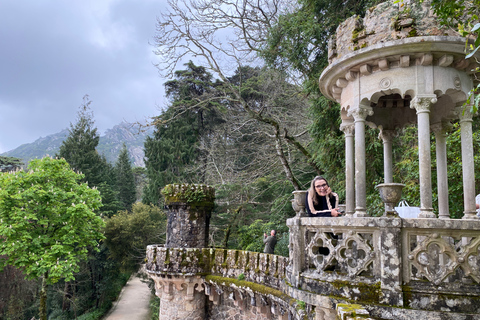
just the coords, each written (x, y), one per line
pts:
(262, 268)
(425, 264)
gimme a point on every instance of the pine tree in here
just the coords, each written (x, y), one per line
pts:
(79, 149)
(173, 155)
(125, 179)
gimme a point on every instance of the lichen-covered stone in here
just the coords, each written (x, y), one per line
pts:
(189, 207)
(390, 20)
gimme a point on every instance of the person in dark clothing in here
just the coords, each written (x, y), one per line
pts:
(270, 242)
(321, 201)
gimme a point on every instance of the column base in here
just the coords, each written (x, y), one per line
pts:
(471, 215)
(360, 212)
(426, 213)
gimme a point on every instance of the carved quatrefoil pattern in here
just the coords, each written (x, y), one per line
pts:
(348, 253)
(436, 258)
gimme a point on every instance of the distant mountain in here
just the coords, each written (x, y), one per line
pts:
(110, 144)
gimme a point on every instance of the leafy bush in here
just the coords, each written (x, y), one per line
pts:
(128, 233)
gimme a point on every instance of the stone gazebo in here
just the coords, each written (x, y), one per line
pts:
(393, 68)
(396, 68)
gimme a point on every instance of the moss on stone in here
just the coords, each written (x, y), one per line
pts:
(258, 288)
(370, 292)
(194, 195)
(167, 256)
(412, 33)
(352, 309)
(184, 262)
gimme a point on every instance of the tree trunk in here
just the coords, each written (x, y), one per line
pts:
(66, 297)
(284, 161)
(43, 298)
(229, 227)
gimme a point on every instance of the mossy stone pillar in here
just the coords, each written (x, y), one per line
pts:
(189, 207)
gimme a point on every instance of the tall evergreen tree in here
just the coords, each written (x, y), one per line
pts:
(173, 153)
(79, 149)
(125, 179)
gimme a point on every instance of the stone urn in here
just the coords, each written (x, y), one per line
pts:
(298, 202)
(390, 194)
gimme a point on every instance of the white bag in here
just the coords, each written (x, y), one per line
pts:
(407, 212)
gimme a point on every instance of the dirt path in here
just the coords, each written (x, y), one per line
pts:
(133, 301)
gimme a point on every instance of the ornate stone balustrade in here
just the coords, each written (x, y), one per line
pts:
(424, 264)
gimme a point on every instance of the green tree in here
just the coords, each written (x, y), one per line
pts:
(47, 222)
(125, 179)
(128, 233)
(173, 155)
(140, 176)
(79, 149)
(9, 163)
(464, 15)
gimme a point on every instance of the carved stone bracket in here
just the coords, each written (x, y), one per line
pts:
(166, 288)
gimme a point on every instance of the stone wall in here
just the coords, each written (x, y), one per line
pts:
(231, 309)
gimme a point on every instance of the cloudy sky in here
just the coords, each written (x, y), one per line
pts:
(53, 52)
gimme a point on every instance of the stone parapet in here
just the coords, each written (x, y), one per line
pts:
(251, 266)
(423, 264)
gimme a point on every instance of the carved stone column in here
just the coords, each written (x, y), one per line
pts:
(422, 105)
(465, 117)
(360, 114)
(440, 130)
(387, 137)
(348, 128)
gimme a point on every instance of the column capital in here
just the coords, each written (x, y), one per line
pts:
(347, 128)
(386, 135)
(464, 113)
(441, 127)
(422, 103)
(361, 113)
